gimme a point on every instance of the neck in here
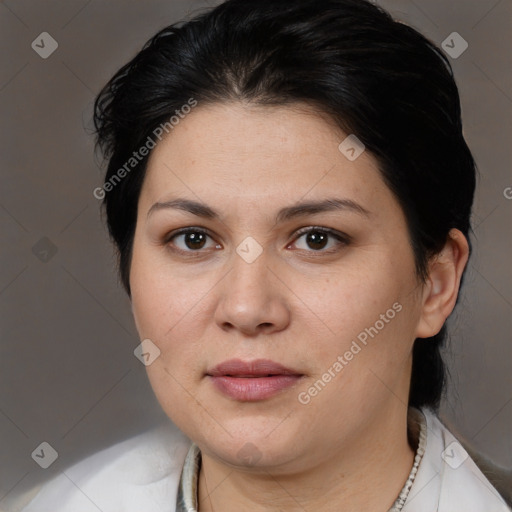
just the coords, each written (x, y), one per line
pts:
(367, 473)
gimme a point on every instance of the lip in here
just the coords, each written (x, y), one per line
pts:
(252, 380)
(255, 368)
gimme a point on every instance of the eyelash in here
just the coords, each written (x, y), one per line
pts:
(342, 239)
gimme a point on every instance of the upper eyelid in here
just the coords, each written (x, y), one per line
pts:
(329, 231)
(184, 231)
(297, 233)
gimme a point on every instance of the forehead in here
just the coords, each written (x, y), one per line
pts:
(235, 150)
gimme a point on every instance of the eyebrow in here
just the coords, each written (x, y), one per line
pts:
(298, 210)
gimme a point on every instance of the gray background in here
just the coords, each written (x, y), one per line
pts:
(67, 371)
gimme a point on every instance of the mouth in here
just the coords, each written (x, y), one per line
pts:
(253, 380)
(250, 369)
(253, 376)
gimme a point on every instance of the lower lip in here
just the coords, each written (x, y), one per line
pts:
(252, 389)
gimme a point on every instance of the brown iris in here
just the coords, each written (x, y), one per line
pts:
(317, 240)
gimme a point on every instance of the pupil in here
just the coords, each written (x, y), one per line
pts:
(195, 240)
(317, 240)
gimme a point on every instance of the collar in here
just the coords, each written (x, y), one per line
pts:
(186, 500)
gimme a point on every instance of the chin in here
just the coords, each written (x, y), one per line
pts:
(251, 450)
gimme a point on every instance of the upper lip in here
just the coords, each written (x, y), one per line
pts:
(255, 368)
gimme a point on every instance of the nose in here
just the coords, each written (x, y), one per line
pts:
(252, 300)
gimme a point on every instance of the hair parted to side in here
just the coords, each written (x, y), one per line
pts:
(375, 77)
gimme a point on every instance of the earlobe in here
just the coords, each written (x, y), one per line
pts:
(443, 283)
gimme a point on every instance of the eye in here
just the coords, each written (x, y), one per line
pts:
(320, 239)
(191, 240)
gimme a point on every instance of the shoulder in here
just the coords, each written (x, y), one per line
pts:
(141, 473)
(448, 480)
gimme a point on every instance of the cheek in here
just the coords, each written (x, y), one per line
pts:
(366, 361)
(169, 309)
(348, 302)
(370, 313)
(161, 300)
(165, 310)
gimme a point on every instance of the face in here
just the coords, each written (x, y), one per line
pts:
(258, 239)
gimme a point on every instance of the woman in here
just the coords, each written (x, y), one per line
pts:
(290, 191)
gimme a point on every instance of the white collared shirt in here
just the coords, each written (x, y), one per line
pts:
(143, 474)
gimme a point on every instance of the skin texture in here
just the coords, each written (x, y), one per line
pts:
(347, 448)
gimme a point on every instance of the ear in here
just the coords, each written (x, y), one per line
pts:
(443, 283)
